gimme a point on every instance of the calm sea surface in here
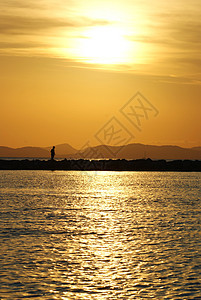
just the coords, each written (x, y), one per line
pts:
(104, 235)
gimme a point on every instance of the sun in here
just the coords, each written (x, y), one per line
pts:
(103, 45)
(106, 37)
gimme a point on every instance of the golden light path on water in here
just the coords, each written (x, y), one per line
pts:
(105, 261)
(104, 235)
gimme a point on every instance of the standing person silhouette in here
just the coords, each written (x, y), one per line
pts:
(52, 153)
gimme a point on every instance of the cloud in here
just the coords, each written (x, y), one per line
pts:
(15, 5)
(21, 45)
(186, 62)
(12, 4)
(23, 35)
(179, 30)
(13, 25)
(25, 25)
(171, 34)
(184, 28)
(188, 32)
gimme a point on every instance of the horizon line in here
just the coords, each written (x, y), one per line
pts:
(104, 145)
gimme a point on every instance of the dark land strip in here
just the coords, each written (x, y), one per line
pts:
(102, 165)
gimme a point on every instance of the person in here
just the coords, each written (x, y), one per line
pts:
(52, 153)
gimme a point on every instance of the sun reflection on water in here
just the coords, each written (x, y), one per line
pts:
(122, 235)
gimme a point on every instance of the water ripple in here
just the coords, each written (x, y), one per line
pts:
(123, 235)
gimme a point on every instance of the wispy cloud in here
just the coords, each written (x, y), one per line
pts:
(13, 4)
(187, 32)
(169, 33)
(21, 45)
(27, 25)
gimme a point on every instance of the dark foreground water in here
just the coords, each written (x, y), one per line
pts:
(104, 235)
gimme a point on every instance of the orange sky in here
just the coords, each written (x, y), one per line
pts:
(67, 68)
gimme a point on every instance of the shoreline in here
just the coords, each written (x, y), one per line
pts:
(102, 165)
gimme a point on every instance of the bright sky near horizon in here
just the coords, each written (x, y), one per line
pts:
(68, 67)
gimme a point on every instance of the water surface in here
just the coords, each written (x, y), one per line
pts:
(100, 235)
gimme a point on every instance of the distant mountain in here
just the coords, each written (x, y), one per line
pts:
(62, 150)
(23, 152)
(196, 148)
(6, 152)
(131, 151)
(139, 151)
(134, 151)
(101, 151)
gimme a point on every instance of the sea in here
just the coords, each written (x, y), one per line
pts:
(100, 235)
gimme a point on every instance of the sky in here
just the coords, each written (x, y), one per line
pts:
(92, 72)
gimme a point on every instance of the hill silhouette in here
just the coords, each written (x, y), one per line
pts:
(197, 148)
(129, 152)
(140, 151)
(23, 152)
(63, 150)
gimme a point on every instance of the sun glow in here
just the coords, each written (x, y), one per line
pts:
(111, 40)
(103, 45)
